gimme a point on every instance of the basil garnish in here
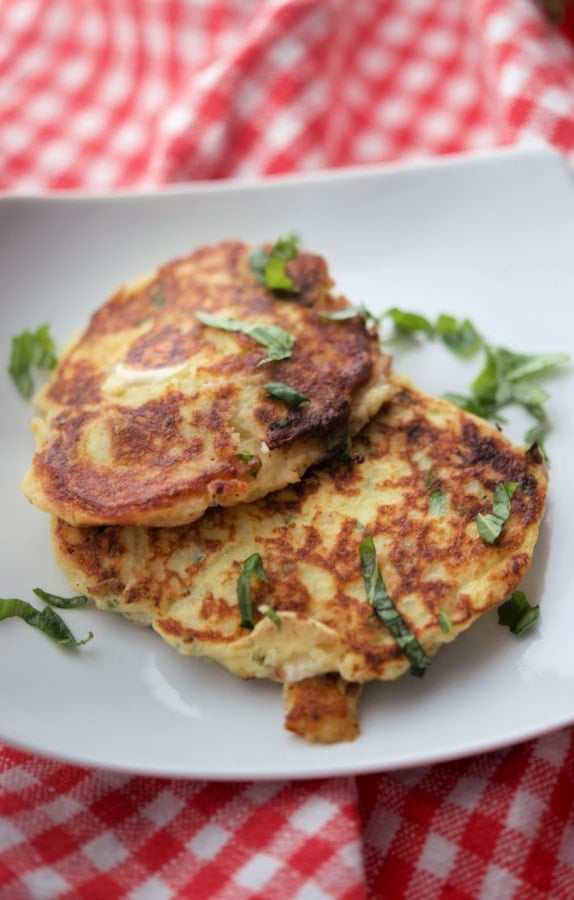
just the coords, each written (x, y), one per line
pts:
(517, 613)
(278, 342)
(382, 603)
(410, 322)
(459, 335)
(253, 565)
(491, 525)
(31, 350)
(438, 502)
(268, 266)
(61, 602)
(348, 312)
(444, 621)
(288, 395)
(46, 620)
(273, 615)
(506, 377)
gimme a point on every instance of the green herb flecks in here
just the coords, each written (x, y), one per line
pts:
(288, 395)
(158, 297)
(517, 613)
(46, 620)
(491, 525)
(382, 603)
(278, 342)
(438, 503)
(444, 622)
(31, 350)
(252, 567)
(269, 266)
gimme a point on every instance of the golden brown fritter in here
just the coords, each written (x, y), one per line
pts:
(419, 475)
(152, 415)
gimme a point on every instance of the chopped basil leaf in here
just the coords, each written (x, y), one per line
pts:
(409, 322)
(288, 395)
(31, 350)
(273, 615)
(46, 620)
(444, 621)
(517, 613)
(278, 342)
(60, 602)
(491, 525)
(521, 366)
(348, 312)
(258, 257)
(503, 494)
(472, 405)
(253, 565)
(438, 503)
(459, 335)
(269, 266)
(382, 603)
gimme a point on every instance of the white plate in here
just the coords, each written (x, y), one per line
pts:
(490, 237)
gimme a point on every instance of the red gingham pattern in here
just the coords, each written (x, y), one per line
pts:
(98, 94)
(101, 94)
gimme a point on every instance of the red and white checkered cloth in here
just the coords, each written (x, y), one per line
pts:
(99, 94)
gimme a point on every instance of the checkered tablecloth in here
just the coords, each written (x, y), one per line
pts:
(100, 94)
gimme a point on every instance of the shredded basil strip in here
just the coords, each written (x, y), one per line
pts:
(438, 502)
(46, 620)
(288, 395)
(61, 602)
(274, 616)
(444, 621)
(278, 342)
(31, 350)
(253, 566)
(348, 312)
(491, 525)
(517, 613)
(382, 603)
(269, 266)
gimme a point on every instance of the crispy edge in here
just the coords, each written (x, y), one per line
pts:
(322, 709)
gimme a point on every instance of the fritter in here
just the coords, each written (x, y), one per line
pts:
(200, 386)
(286, 589)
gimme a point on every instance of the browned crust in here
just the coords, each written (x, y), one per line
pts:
(163, 460)
(323, 709)
(184, 581)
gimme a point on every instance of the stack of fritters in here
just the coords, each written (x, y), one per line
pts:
(169, 467)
